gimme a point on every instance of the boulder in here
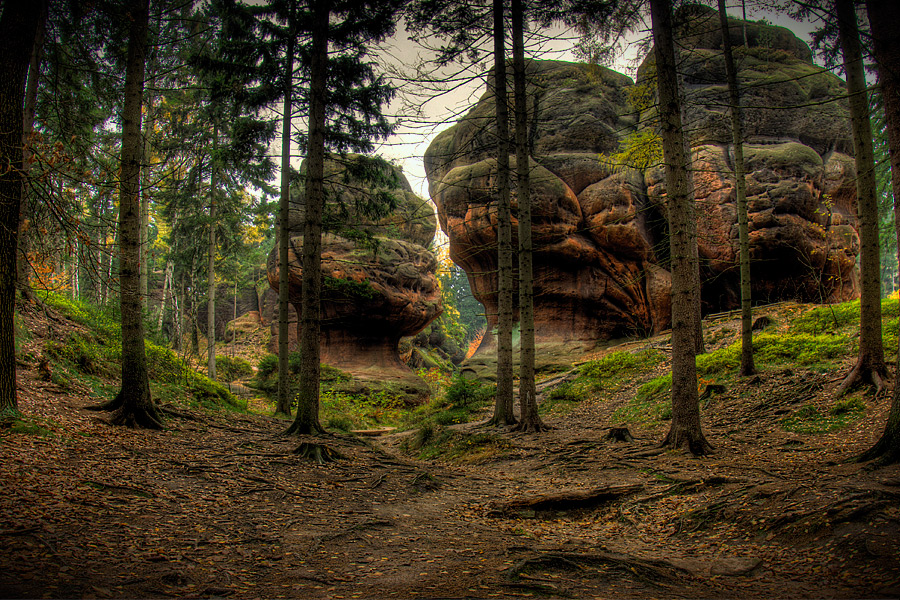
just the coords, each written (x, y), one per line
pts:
(379, 281)
(601, 233)
(227, 307)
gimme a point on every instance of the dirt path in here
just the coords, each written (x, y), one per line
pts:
(219, 506)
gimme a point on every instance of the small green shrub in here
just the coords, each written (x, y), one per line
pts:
(468, 393)
(339, 422)
(268, 366)
(231, 369)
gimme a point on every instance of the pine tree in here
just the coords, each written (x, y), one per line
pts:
(870, 363)
(685, 431)
(883, 15)
(18, 23)
(740, 184)
(133, 404)
(529, 419)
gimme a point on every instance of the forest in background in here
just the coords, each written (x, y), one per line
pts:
(160, 184)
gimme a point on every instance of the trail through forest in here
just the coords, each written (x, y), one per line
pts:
(218, 505)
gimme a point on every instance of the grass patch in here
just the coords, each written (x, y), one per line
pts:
(651, 403)
(433, 441)
(621, 364)
(31, 425)
(810, 419)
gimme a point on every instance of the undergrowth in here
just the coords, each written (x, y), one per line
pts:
(94, 356)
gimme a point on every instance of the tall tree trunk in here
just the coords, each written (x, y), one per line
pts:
(870, 363)
(133, 405)
(883, 17)
(740, 184)
(31, 87)
(168, 290)
(145, 205)
(529, 419)
(307, 419)
(18, 23)
(503, 406)
(685, 431)
(283, 405)
(211, 272)
(149, 122)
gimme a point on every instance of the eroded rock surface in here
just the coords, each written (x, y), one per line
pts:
(601, 245)
(379, 280)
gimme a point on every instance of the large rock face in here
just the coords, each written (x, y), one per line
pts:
(379, 280)
(601, 245)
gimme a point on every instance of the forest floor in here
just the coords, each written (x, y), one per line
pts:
(219, 505)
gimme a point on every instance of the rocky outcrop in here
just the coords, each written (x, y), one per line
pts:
(379, 280)
(228, 306)
(601, 245)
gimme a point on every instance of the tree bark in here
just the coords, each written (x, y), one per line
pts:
(211, 280)
(307, 419)
(283, 404)
(685, 431)
(740, 184)
(31, 87)
(870, 365)
(529, 419)
(18, 23)
(883, 16)
(133, 405)
(503, 405)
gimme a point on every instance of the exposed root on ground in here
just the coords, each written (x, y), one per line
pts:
(318, 452)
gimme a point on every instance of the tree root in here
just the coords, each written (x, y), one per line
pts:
(619, 434)
(531, 426)
(318, 452)
(862, 373)
(567, 499)
(656, 572)
(683, 439)
(137, 418)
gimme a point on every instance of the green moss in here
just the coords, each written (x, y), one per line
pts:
(810, 419)
(622, 363)
(347, 288)
(31, 425)
(651, 403)
(433, 441)
(164, 366)
(790, 155)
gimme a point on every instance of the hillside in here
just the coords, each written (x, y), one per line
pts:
(219, 505)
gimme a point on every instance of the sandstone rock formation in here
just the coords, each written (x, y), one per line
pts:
(601, 246)
(379, 280)
(228, 307)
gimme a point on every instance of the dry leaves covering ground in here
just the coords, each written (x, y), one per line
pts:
(219, 506)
